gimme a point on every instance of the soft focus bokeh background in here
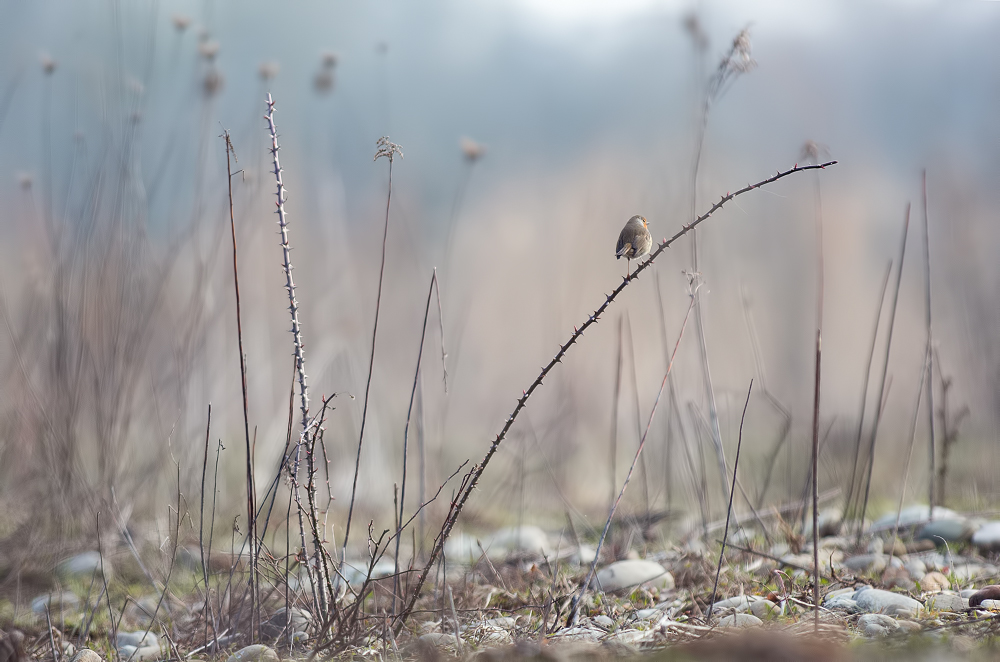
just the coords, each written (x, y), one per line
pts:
(116, 274)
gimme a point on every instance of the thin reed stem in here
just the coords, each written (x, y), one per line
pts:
(406, 437)
(929, 360)
(729, 509)
(885, 371)
(864, 395)
(816, 400)
(388, 150)
(251, 505)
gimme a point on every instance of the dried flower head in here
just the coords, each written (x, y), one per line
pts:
(212, 82)
(181, 22)
(735, 62)
(208, 49)
(25, 180)
(471, 150)
(48, 63)
(328, 60)
(268, 70)
(323, 81)
(740, 57)
(812, 151)
(387, 149)
(692, 25)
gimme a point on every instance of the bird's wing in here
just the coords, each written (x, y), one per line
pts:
(623, 246)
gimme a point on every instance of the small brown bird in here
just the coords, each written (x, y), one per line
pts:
(634, 241)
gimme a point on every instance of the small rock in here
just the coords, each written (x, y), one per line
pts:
(647, 614)
(740, 621)
(629, 574)
(840, 592)
(584, 555)
(297, 620)
(910, 626)
(86, 655)
(579, 634)
(83, 567)
(946, 602)
(987, 538)
(526, 539)
(973, 571)
(915, 546)
(738, 603)
(976, 598)
(439, 639)
(254, 653)
(915, 567)
(603, 621)
(912, 516)
(765, 610)
(876, 546)
(145, 654)
(866, 562)
(877, 601)
(877, 625)
(952, 529)
(66, 600)
(898, 577)
(842, 603)
(934, 581)
(139, 639)
(990, 604)
(829, 521)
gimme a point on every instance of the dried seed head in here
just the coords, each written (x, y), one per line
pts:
(212, 82)
(181, 22)
(387, 149)
(48, 63)
(323, 81)
(268, 70)
(740, 58)
(328, 60)
(692, 25)
(25, 180)
(208, 49)
(812, 151)
(471, 150)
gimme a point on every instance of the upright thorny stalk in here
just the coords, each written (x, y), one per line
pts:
(307, 437)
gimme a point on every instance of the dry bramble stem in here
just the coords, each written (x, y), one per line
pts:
(472, 478)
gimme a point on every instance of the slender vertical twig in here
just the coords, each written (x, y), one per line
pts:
(613, 446)
(812, 151)
(729, 508)
(885, 371)
(735, 62)
(929, 360)
(406, 437)
(574, 607)
(906, 466)
(251, 505)
(388, 150)
(864, 395)
(201, 521)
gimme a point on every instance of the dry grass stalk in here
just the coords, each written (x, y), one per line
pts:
(885, 371)
(729, 509)
(251, 493)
